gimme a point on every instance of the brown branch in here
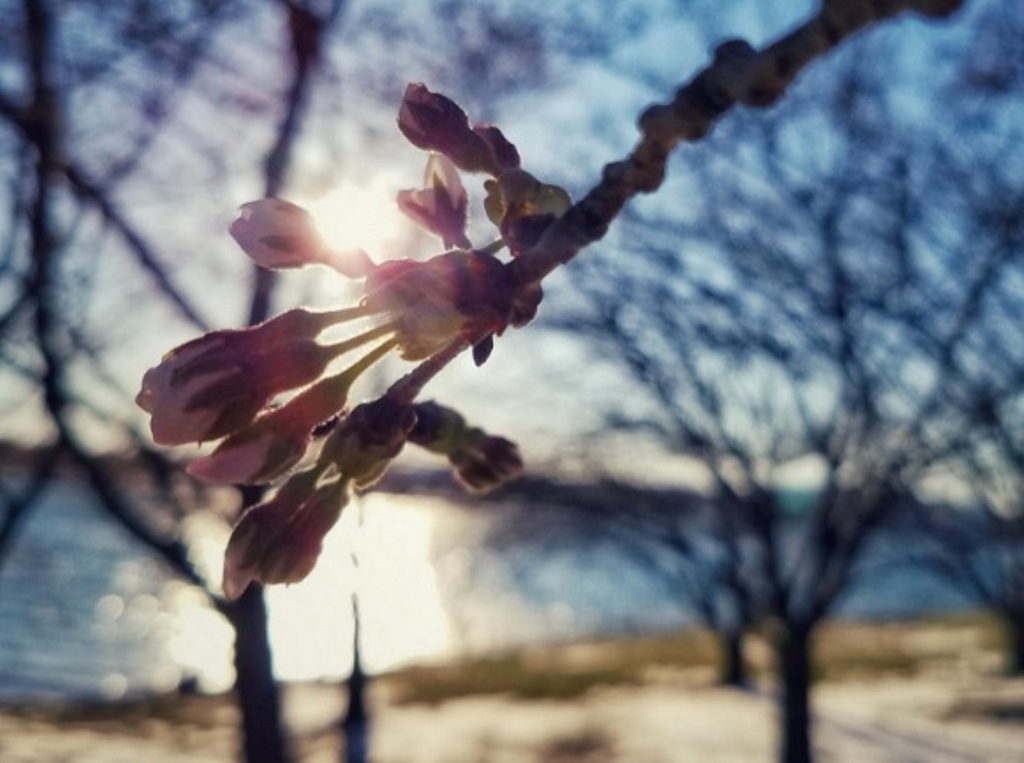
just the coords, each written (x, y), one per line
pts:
(45, 131)
(307, 31)
(97, 197)
(738, 74)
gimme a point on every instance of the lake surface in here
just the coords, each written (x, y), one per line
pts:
(86, 612)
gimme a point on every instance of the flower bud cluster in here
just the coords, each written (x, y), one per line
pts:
(266, 395)
(280, 539)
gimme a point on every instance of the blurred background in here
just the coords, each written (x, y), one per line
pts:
(786, 391)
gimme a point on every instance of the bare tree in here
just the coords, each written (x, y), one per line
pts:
(95, 128)
(70, 185)
(973, 515)
(809, 303)
(58, 188)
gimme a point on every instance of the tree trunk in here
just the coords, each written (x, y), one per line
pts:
(733, 667)
(355, 724)
(795, 665)
(258, 696)
(1015, 658)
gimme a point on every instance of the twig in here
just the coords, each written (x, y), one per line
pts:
(738, 74)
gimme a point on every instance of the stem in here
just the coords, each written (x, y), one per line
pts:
(332, 317)
(408, 388)
(336, 350)
(494, 247)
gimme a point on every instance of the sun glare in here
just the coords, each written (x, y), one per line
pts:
(360, 216)
(403, 614)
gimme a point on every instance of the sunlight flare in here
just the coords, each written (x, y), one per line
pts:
(359, 216)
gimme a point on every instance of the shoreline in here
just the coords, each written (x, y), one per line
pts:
(894, 691)
(951, 718)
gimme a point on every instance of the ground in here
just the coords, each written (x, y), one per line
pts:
(593, 703)
(897, 720)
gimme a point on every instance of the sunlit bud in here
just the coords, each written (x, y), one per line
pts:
(433, 122)
(440, 206)
(275, 442)
(258, 528)
(431, 303)
(216, 384)
(256, 455)
(438, 427)
(278, 541)
(296, 552)
(278, 234)
(363, 445)
(422, 299)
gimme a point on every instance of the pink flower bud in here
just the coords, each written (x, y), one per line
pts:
(254, 456)
(433, 122)
(216, 384)
(278, 234)
(275, 442)
(523, 207)
(279, 541)
(430, 120)
(481, 461)
(440, 206)
(454, 294)
(505, 153)
(367, 440)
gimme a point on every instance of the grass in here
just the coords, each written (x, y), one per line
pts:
(846, 650)
(842, 651)
(555, 672)
(191, 710)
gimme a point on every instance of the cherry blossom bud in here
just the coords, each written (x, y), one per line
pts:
(367, 440)
(275, 442)
(277, 234)
(258, 454)
(523, 207)
(438, 427)
(487, 462)
(279, 541)
(422, 298)
(505, 153)
(295, 553)
(481, 461)
(431, 303)
(216, 384)
(433, 122)
(440, 206)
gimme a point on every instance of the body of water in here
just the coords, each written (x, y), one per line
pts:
(86, 612)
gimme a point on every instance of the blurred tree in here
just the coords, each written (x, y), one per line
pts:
(90, 92)
(977, 532)
(676, 537)
(803, 321)
(127, 133)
